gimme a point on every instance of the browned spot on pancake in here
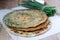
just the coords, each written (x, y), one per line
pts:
(16, 31)
(21, 33)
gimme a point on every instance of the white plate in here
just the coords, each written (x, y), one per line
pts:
(55, 26)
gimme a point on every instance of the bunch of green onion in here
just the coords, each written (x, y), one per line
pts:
(50, 11)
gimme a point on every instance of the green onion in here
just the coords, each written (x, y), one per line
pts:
(50, 11)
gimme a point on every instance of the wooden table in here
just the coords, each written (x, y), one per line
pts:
(5, 36)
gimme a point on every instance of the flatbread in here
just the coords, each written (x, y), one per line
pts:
(25, 18)
(30, 34)
(32, 28)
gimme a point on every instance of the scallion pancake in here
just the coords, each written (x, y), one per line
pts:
(25, 18)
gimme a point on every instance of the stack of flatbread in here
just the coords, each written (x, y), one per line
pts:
(27, 23)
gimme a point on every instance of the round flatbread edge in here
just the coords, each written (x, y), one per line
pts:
(32, 35)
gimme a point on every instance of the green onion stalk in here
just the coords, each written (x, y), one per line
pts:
(50, 11)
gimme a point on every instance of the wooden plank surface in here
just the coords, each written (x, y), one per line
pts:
(4, 35)
(8, 4)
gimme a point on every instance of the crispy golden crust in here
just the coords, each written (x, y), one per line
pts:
(37, 31)
(31, 28)
(30, 34)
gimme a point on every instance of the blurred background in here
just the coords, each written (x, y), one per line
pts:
(14, 3)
